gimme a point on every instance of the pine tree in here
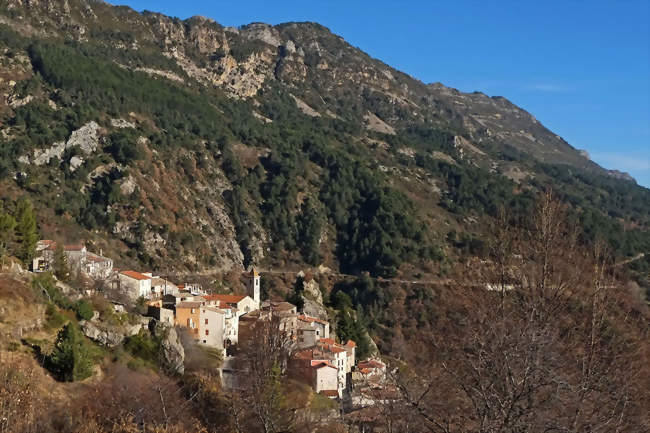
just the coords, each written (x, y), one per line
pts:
(70, 359)
(7, 226)
(26, 233)
(61, 268)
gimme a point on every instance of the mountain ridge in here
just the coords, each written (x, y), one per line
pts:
(433, 144)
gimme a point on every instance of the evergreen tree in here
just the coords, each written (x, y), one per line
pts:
(26, 233)
(7, 226)
(61, 268)
(296, 297)
(70, 360)
(310, 227)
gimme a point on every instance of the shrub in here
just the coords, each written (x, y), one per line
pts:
(71, 359)
(83, 309)
(143, 346)
(54, 319)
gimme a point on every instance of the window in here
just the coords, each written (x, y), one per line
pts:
(317, 332)
(193, 310)
(206, 321)
(207, 332)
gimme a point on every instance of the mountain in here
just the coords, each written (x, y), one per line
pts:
(187, 145)
(497, 272)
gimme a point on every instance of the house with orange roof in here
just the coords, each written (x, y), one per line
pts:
(371, 370)
(234, 306)
(135, 284)
(240, 304)
(314, 368)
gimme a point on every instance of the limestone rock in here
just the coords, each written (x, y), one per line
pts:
(128, 185)
(75, 162)
(121, 123)
(110, 337)
(170, 346)
(262, 32)
(313, 300)
(86, 138)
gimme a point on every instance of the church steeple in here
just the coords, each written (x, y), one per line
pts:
(253, 285)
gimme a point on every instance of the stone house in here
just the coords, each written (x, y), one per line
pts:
(310, 330)
(370, 370)
(156, 310)
(97, 266)
(135, 284)
(315, 368)
(161, 287)
(44, 256)
(76, 255)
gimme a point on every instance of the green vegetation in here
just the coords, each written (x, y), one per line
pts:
(83, 309)
(350, 324)
(7, 227)
(145, 347)
(315, 191)
(60, 265)
(26, 233)
(44, 284)
(71, 359)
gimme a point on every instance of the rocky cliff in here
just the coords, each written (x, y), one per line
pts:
(239, 136)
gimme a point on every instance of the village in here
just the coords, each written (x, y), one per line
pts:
(222, 322)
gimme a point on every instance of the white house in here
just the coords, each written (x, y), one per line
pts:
(98, 266)
(135, 284)
(338, 356)
(161, 287)
(212, 327)
(315, 368)
(240, 304)
(324, 376)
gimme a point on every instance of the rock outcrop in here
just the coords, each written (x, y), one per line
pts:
(104, 335)
(85, 138)
(313, 300)
(171, 349)
(109, 335)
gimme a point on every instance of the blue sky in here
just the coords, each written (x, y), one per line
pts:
(581, 67)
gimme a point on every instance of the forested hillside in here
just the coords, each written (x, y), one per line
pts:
(210, 147)
(189, 148)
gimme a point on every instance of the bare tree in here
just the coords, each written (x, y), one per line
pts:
(548, 351)
(262, 363)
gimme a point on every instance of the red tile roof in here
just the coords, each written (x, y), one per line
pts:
(351, 343)
(96, 258)
(309, 319)
(330, 392)
(188, 305)
(320, 364)
(77, 247)
(227, 299)
(370, 364)
(135, 275)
